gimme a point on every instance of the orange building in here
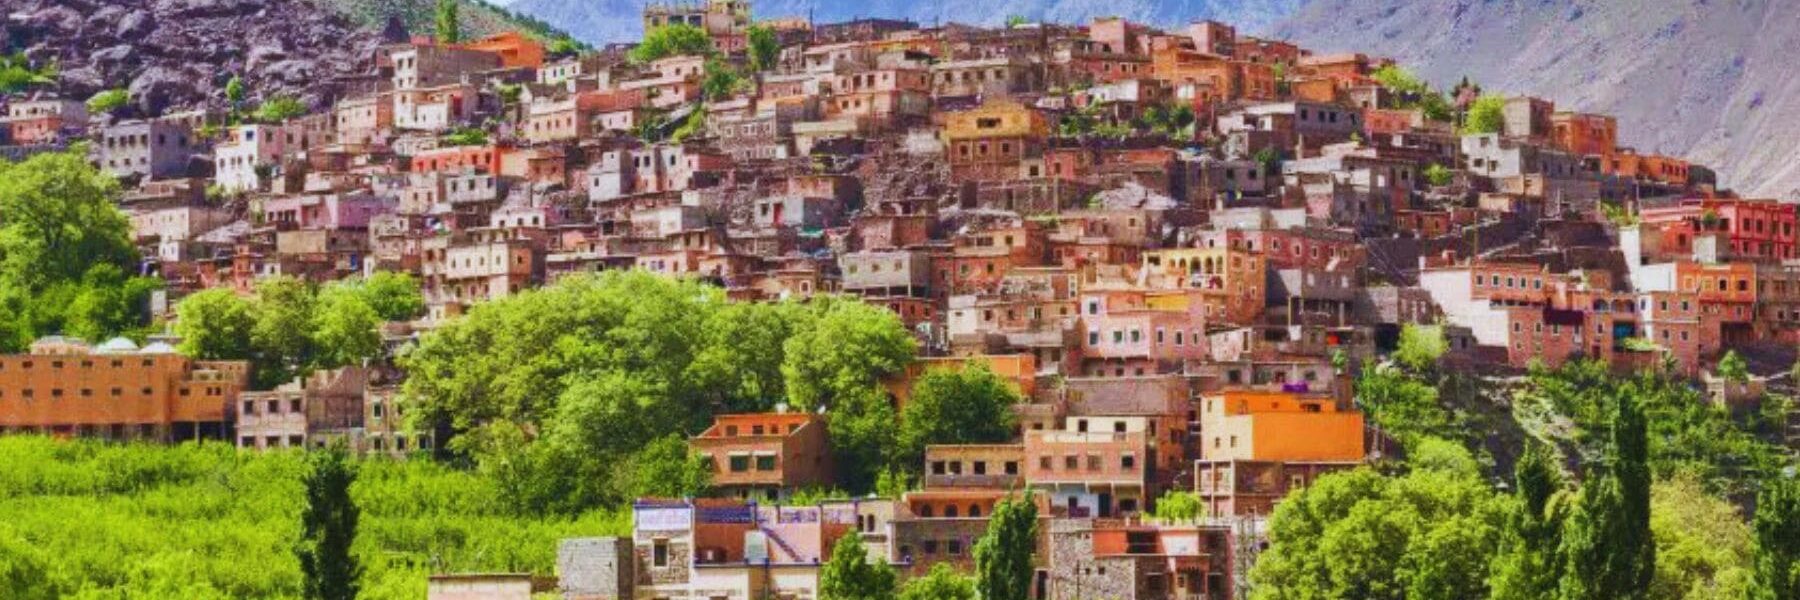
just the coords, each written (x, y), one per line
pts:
(63, 387)
(1647, 167)
(1019, 371)
(1256, 446)
(991, 142)
(484, 159)
(766, 455)
(515, 49)
(1584, 134)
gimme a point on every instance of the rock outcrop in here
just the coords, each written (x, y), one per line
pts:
(176, 54)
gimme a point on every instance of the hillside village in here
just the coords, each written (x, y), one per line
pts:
(1179, 249)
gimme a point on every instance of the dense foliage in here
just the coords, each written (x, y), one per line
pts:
(555, 387)
(956, 406)
(1359, 534)
(1003, 564)
(850, 574)
(17, 73)
(941, 583)
(1687, 433)
(1413, 93)
(290, 327)
(94, 520)
(107, 101)
(765, 47)
(330, 571)
(1777, 569)
(66, 256)
(1486, 115)
(445, 22)
(679, 39)
(1652, 515)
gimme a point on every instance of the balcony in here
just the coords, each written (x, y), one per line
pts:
(957, 480)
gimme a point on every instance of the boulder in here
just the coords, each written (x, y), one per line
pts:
(136, 24)
(160, 87)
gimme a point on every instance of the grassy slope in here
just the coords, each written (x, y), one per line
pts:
(85, 519)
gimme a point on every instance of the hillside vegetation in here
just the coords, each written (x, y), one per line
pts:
(85, 519)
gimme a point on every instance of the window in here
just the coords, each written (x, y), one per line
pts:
(1128, 462)
(740, 464)
(765, 462)
(659, 553)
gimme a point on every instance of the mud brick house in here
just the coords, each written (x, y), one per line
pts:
(1257, 446)
(64, 387)
(766, 456)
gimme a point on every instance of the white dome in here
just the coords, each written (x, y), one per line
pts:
(118, 345)
(157, 348)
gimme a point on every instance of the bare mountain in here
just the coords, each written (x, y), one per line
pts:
(601, 21)
(1710, 80)
(179, 53)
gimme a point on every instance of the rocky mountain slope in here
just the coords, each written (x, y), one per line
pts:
(600, 21)
(178, 53)
(1710, 80)
(477, 17)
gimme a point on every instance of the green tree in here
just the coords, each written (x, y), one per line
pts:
(107, 303)
(345, 329)
(564, 46)
(850, 348)
(1402, 407)
(850, 575)
(720, 80)
(328, 528)
(1527, 567)
(108, 101)
(956, 406)
(281, 343)
(1608, 551)
(215, 324)
(1359, 534)
(1269, 160)
(1732, 368)
(1420, 347)
(465, 136)
(395, 296)
(765, 48)
(666, 468)
(17, 74)
(447, 23)
(1486, 115)
(1777, 524)
(1003, 568)
(1411, 92)
(57, 220)
(1703, 547)
(279, 109)
(679, 39)
(1178, 506)
(942, 582)
(1437, 175)
(235, 92)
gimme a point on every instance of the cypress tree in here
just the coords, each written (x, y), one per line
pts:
(1608, 552)
(449, 28)
(1528, 567)
(328, 528)
(1003, 567)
